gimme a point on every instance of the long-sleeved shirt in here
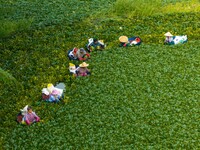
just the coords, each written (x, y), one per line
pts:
(82, 71)
(31, 117)
(95, 45)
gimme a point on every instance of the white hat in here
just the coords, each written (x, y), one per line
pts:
(24, 110)
(45, 91)
(84, 64)
(168, 34)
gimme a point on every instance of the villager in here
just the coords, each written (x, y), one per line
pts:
(125, 41)
(30, 117)
(53, 94)
(83, 70)
(95, 44)
(73, 69)
(173, 40)
(78, 54)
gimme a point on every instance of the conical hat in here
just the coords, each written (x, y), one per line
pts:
(168, 34)
(45, 91)
(123, 39)
(84, 64)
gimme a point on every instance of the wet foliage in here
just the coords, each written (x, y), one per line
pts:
(143, 97)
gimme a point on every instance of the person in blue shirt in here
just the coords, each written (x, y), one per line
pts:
(95, 44)
(126, 42)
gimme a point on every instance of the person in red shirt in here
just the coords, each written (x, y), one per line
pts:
(82, 54)
(78, 54)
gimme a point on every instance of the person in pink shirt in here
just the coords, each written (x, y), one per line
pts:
(30, 117)
(83, 70)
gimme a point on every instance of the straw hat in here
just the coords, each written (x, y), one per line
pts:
(123, 39)
(84, 64)
(168, 34)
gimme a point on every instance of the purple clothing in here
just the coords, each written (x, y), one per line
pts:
(31, 117)
(82, 71)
